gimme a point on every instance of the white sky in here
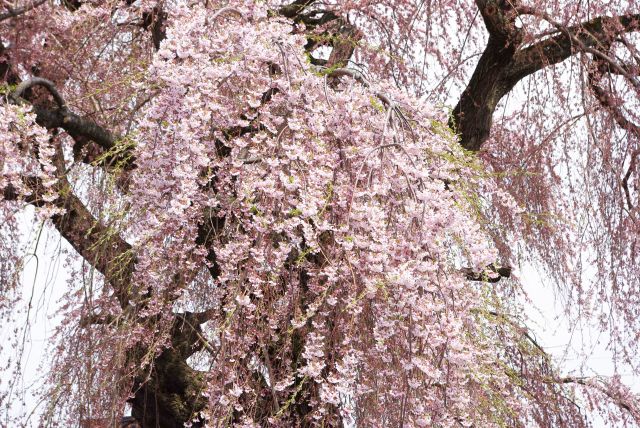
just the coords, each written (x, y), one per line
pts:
(576, 350)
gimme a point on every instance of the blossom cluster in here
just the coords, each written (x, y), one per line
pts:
(347, 213)
(324, 221)
(20, 139)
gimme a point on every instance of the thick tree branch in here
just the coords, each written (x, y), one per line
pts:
(344, 41)
(96, 243)
(155, 21)
(99, 245)
(62, 117)
(6, 72)
(76, 126)
(473, 115)
(295, 9)
(591, 34)
(81, 129)
(502, 64)
(492, 273)
(343, 36)
(499, 18)
(207, 233)
(38, 81)
(625, 179)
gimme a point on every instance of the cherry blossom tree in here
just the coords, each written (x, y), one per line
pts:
(303, 213)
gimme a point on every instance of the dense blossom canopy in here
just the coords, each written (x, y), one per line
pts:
(302, 213)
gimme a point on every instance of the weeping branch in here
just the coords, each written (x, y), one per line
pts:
(625, 403)
(595, 74)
